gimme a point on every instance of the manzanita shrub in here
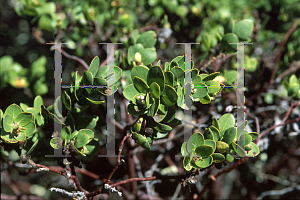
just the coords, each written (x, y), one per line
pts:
(217, 143)
(153, 95)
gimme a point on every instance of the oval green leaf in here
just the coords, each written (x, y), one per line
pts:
(156, 74)
(169, 96)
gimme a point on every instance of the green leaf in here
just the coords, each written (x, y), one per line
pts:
(222, 147)
(38, 67)
(200, 90)
(94, 66)
(178, 74)
(88, 132)
(148, 55)
(66, 100)
(93, 100)
(129, 92)
(100, 82)
(205, 100)
(169, 78)
(215, 132)
(208, 134)
(24, 118)
(156, 74)
(155, 90)
(180, 61)
(1, 116)
(24, 106)
(56, 143)
(184, 150)
(7, 137)
(229, 158)
(47, 8)
(182, 11)
(13, 110)
(163, 128)
(186, 164)
(229, 38)
(87, 80)
(204, 162)
(46, 23)
(38, 101)
(73, 135)
(180, 92)
(248, 139)
(169, 96)
(204, 151)
(102, 72)
(21, 136)
(140, 85)
(195, 140)
(293, 79)
(133, 110)
(170, 115)
(241, 130)
(211, 76)
(225, 122)
(244, 28)
(254, 151)
(215, 123)
(218, 158)
(29, 129)
(117, 73)
(238, 149)
(211, 143)
(197, 79)
(8, 123)
(230, 76)
(254, 135)
(154, 107)
(66, 134)
(229, 135)
(147, 39)
(132, 51)
(75, 83)
(81, 139)
(140, 71)
(248, 148)
(213, 87)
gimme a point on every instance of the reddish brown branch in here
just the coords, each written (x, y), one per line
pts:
(121, 183)
(246, 158)
(76, 59)
(119, 158)
(281, 124)
(285, 38)
(132, 180)
(219, 174)
(77, 183)
(286, 72)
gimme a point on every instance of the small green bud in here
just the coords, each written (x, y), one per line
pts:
(136, 127)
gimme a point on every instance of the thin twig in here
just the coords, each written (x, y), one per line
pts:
(281, 124)
(246, 158)
(76, 59)
(119, 158)
(286, 72)
(132, 180)
(285, 38)
(256, 120)
(91, 194)
(219, 174)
